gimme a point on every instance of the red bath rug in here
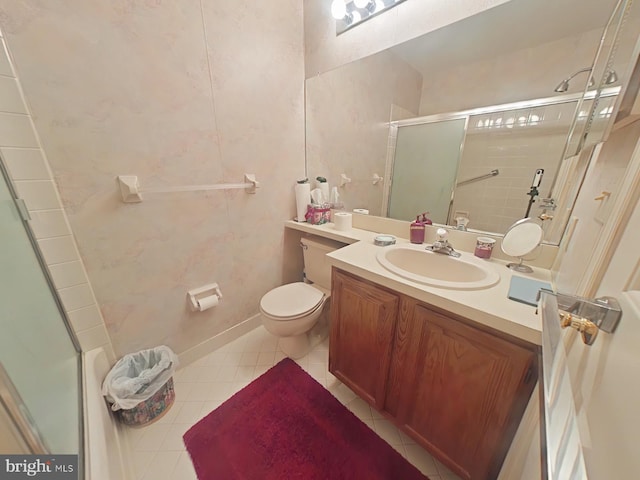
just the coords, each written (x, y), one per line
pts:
(285, 425)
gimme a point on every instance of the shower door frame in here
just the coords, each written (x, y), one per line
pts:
(10, 399)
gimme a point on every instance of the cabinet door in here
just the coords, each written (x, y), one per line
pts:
(363, 318)
(463, 391)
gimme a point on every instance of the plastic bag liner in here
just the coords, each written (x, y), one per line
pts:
(137, 376)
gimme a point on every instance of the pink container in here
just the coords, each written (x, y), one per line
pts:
(484, 247)
(152, 409)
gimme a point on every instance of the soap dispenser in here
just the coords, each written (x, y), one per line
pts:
(426, 220)
(416, 231)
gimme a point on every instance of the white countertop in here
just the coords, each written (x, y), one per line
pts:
(489, 307)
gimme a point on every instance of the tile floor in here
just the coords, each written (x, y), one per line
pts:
(158, 450)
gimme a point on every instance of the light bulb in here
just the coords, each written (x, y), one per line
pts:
(338, 9)
(361, 3)
(355, 16)
(379, 6)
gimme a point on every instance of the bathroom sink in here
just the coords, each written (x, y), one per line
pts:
(415, 263)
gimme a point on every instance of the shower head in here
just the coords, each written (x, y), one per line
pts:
(563, 86)
(612, 77)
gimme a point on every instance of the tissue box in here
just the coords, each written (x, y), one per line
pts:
(318, 214)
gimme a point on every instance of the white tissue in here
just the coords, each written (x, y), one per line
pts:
(342, 221)
(208, 302)
(317, 196)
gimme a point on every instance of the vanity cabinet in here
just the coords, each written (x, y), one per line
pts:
(458, 389)
(360, 346)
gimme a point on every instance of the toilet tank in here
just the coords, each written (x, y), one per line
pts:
(316, 267)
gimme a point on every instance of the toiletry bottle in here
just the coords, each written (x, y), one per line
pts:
(324, 188)
(416, 231)
(426, 220)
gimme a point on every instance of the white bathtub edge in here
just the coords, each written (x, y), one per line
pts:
(107, 452)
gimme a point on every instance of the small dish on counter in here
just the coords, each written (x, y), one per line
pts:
(384, 240)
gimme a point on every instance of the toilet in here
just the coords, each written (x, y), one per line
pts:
(291, 311)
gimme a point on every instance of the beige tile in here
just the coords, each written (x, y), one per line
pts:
(67, 274)
(421, 459)
(388, 431)
(93, 338)
(266, 358)
(25, 163)
(173, 440)
(162, 466)
(152, 437)
(201, 392)
(141, 461)
(76, 297)
(58, 250)
(5, 64)
(190, 412)
(38, 194)
(249, 359)
(49, 223)
(85, 318)
(184, 468)
(360, 409)
(10, 98)
(16, 131)
(244, 373)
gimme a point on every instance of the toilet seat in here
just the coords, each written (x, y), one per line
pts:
(291, 301)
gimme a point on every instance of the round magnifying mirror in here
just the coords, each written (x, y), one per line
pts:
(522, 238)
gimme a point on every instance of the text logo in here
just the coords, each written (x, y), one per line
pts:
(44, 467)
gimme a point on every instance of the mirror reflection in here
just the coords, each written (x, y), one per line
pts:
(473, 104)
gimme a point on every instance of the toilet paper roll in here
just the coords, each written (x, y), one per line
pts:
(342, 221)
(303, 197)
(207, 302)
(361, 211)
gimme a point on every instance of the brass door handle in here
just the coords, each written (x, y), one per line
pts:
(588, 330)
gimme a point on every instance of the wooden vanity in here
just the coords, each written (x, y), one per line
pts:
(457, 387)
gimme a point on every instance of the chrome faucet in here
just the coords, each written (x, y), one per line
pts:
(442, 245)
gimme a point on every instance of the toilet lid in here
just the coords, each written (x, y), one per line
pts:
(291, 300)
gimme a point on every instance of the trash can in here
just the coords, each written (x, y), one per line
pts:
(139, 387)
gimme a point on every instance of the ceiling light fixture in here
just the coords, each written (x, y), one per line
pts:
(349, 13)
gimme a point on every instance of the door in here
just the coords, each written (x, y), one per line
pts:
(363, 319)
(459, 378)
(39, 362)
(426, 161)
(605, 376)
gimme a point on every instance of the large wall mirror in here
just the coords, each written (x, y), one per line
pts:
(459, 122)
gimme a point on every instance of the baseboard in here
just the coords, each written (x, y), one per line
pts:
(196, 353)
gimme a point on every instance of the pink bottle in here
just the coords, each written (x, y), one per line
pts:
(416, 231)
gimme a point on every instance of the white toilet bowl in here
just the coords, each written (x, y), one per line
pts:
(290, 312)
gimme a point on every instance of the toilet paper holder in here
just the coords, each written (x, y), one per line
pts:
(197, 294)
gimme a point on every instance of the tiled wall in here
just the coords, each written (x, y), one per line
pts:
(516, 143)
(347, 115)
(31, 177)
(177, 93)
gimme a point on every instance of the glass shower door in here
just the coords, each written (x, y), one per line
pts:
(36, 347)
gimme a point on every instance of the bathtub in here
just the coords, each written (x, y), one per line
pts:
(106, 448)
